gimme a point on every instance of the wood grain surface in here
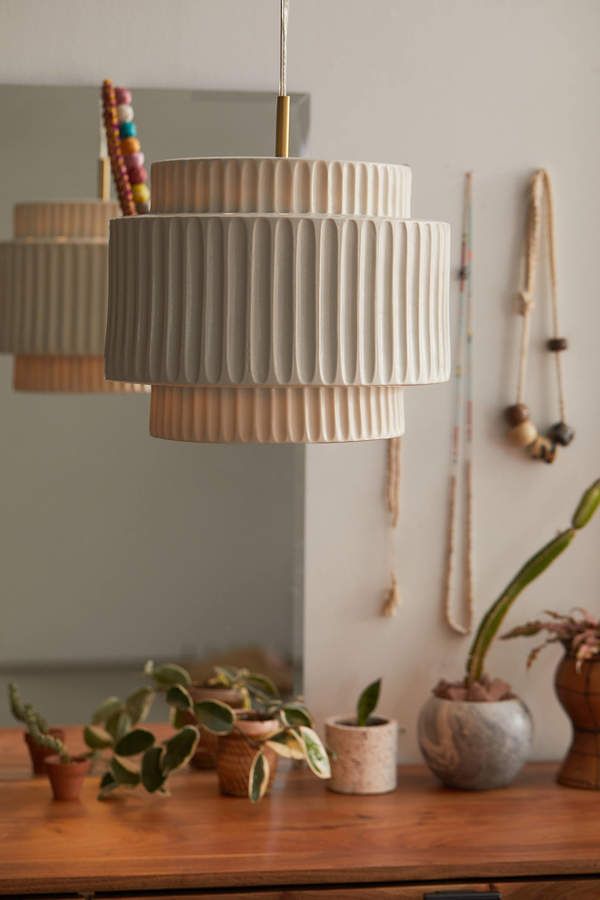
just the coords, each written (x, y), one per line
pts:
(301, 835)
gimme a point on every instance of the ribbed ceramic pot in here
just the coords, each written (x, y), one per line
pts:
(579, 694)
(66, 779)
(363, 759)
(40, 754)
(236, 752)
(205, 756)
(475, 746)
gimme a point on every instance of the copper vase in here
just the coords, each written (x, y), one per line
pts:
(579, 694)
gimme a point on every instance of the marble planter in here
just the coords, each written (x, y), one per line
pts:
(363, 760)
(475, 746)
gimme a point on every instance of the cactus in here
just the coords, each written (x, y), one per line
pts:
(42, 738)
(24, 711)
(534, 567)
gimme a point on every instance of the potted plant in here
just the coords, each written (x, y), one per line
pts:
(475, 733)
(250, 741)
(577, 684)
(37, 752)
(363, 748)
(65, 772)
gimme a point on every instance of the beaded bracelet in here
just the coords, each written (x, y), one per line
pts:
(113, 142)
(131, 151)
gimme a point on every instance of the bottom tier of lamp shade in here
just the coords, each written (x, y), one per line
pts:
(67, 374)
(276, 415)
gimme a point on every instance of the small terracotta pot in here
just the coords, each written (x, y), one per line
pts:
(237, 750)
(205, 756)
(66, 779)
(363, 759)
(40, 754)
(579, 694)
(475, 746)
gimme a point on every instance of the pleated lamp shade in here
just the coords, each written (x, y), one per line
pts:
(53, 297)
(278, 300)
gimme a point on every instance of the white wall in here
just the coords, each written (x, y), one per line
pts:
(501, 86)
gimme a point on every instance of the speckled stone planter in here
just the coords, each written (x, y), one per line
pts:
(363, 760)
(475, 746)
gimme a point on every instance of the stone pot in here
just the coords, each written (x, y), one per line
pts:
(475, 746)
(579, 694)
(363, 759)
(66, 779)
(205, 756)
(40, 754)
(237, 750)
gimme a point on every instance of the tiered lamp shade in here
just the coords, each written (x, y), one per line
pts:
(278, 300)
(53, 297)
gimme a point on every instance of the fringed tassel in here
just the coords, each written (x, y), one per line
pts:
(392, 495)
(392, 599)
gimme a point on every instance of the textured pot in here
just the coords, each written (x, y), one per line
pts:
(475, 746)
(237, 750)
(205, 756)
(363, 759)
(579, 694)
(66, 779)
(39, 754)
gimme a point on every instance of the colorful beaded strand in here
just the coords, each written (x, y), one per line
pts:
(131, 151)
(119, 169)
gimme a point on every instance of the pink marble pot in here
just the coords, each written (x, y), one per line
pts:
(363, 759)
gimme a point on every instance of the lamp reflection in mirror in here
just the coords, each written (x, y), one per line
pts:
(53, 297)
(278, 300)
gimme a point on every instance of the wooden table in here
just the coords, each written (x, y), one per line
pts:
(533, 840)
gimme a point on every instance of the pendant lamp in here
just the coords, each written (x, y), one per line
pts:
(53, 295)
(277, 299)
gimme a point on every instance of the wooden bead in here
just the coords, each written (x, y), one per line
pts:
(130, 145)
(516, 414)
(125, 112)
(557, 344)
(127, 130)
(543, 448)
(141, 193)
(523, 434)
(561, 433)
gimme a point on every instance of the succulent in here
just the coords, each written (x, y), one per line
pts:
(42, 737)
(492, 620)
(367, 702)
(579, 633)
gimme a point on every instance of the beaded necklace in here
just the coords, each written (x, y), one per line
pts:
(523, 433)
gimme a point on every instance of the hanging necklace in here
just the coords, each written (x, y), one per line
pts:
(523, 432)
(462, 437)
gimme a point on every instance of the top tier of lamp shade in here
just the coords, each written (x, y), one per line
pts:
(281, 300)
(53, 296)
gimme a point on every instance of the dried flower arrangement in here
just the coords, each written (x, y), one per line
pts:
(579, 633)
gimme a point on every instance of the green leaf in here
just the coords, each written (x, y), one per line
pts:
(179, 717)
(118, 725)
(294, 714)
(179, 697)
(316, 755)
(153, 777)
(138, 704)
(215, 716)
(258, 780)
(107, 785)
(367, 702)
(124, 772)
(107, 708)
(494, 617)
(136, 741)
(169, 674)
(96, 737)
(226, 675)
(587, 506)
(263, 683)
(287, 744)
(180, 748)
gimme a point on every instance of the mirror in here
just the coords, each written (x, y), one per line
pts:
(116, 547)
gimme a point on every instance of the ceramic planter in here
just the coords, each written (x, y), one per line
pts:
(39, 754)
(475, 746)
(363, 759)
(66, 779)
(237, 750)
(579, 694)
(205, 756)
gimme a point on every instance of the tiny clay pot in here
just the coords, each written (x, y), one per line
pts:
(66, 779)
(363, 757)
(40, 754)
(205, 756)
(236, 752)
